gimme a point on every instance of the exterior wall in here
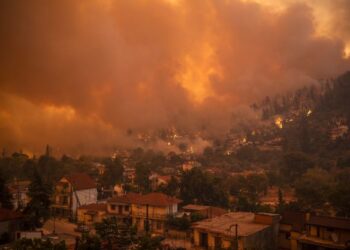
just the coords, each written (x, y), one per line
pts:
(9, 227)
(119, 209)
(153, 212)
(157, 217)
(226, 243)
(326, 233)
(284, 240)
(287, 238)
(66, 199)
(196, 237)
(294, 240)
(260, 240)
(263, 239)
(62, 199)
(20, 199)
(87, 196)
(62, 196)
(4, 227)
(89, 219)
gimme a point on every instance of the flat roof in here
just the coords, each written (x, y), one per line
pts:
(225, 224)
(195, 207)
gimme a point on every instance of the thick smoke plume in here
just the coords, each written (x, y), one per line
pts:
(79, 74)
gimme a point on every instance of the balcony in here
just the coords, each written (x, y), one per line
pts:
(155, 216)
(314, 241)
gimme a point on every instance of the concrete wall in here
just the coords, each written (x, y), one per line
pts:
(87, 196)
(10, 227)
(116, 211)
(153, 211)
(260, 240)
(326, 234)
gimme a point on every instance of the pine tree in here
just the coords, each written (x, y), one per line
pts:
(281, 203)
(38, 209)
(5, 196)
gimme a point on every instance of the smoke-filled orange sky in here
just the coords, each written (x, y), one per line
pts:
(78, 74)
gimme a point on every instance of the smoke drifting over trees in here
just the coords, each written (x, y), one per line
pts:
(78, 74)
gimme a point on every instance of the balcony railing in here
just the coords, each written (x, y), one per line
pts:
(150, 215)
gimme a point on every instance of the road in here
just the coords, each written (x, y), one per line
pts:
(62, 227)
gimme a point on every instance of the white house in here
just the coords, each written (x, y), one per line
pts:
(71, 192)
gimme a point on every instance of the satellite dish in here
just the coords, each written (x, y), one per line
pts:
(334, 237)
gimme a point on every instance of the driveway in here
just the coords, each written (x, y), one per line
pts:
(61, 227)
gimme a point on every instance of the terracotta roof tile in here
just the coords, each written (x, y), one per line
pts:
(81, 181)
(127, 198)
(95, 207)
(158, 199)
(153, 199)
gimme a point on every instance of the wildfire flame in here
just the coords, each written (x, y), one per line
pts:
(279, 122)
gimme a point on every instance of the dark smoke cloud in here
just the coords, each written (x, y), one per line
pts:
(78, 74)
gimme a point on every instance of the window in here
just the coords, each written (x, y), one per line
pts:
(112, 207)
(203, 240)
(126, 208)
(120, 209)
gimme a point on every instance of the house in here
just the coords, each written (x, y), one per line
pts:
(99, 168)
(129, 175)
(237, 230)
(71, 192)
(120, 206)
(292, 226)
(188, 165)
(205, 211)
(147, 212)
(10, 222)
(271, 197)
(118, 189)
(157, 180)
(325, 233)
(91, 213)
(19, 191)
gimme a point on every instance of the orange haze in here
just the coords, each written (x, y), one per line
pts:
(78, 74)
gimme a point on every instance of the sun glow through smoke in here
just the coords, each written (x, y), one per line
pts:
(197, 71)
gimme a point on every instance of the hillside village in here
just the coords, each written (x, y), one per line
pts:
(281, 183)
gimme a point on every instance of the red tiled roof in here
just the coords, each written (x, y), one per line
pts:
(152, 199)
(81, 181)
(165, 178)
(127, 198)
(7, 214)
(95, 207)
(158, 199)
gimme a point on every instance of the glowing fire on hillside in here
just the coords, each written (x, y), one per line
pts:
(279, 122)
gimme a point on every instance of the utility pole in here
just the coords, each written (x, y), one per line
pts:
(235, 245)
(147, 218)
(54, 223)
